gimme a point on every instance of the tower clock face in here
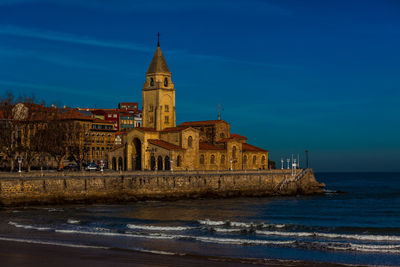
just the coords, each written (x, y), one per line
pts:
(151, 82)
(165, 82)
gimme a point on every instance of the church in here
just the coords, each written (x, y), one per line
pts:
(160, 144)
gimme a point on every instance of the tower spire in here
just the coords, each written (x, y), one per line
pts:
(158, 39)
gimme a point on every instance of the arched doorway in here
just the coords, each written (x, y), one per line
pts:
(137, 154)
(153, 163)
(160, 163)
(120, 163)
(114, 163)
(167, 163)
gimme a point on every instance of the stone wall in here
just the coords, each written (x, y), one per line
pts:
(114, 187)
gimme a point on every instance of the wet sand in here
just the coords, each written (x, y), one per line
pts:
(25, 254)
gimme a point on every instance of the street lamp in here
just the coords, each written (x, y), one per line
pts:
(288, 161)
(231, 160)
(281, 163)
(19, 162)
(172, 164)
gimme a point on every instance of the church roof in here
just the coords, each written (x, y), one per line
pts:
(238, 136)
(158, 63)
(200, 123)
(174, 129)
(208, 146)
(248, 147)
(164, 144)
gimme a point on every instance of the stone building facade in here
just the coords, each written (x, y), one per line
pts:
(162, 145)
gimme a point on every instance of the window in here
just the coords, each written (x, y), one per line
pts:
(166, 120)
(115, 115)
(222, 160)
(190, 141)
(254, 160)
(151, 107)
(165, 82)
(263, 160)
(245, 160)
(212, 160)
(201, 159)
(234, 152)
(178, 161)
(151, 82)
(166, 108)
(151, 119)
(222, 135)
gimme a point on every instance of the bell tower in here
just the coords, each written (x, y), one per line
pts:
(158, 94)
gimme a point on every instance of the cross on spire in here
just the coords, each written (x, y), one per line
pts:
(158, 39)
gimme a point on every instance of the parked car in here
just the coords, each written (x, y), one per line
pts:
(72, 167)
(92, 167)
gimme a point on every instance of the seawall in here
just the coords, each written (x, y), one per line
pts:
(31, 189)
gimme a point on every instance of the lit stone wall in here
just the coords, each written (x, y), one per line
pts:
(165, 185)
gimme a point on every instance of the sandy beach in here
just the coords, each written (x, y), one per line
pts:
(25, 254)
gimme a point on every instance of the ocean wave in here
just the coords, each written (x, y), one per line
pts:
(241, 224)
(211, 223)
(50, 243)
(158, 228)
(30, 227)
(332, 235)
(155, 251)
(73, 221)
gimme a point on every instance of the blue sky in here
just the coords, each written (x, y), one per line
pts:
(290, 75)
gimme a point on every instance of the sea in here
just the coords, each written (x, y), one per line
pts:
(357, 221)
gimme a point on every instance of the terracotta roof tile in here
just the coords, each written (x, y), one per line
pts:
(200, 123)
(208, 146)
(248, 147)
(164, 144)
(238, 136)
(174, 129)
(145, 129)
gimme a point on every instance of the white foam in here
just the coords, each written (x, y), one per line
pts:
(30, 227)
(156, 252)
(239, 241)
(158, 228)
(213, 223)
(366, 248)
(227, 230)
(332, 236)
(30, 241)
(73, 221)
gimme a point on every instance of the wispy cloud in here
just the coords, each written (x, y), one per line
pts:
(47, 88)
(41, 34)
(69, 38)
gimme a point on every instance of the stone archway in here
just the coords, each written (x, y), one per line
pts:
(120, 163)
(160, 163)
(114, 163)
(167, 163)
(153, 163)
(136, 154)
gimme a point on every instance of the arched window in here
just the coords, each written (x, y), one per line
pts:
(151, 82)
(254, 160)
(178, 161)
(234, 152)
(245, 160)
(165, 82)
(190, 141)
(212, 159)
(222, 159)
(201, 159)
(263, 160)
